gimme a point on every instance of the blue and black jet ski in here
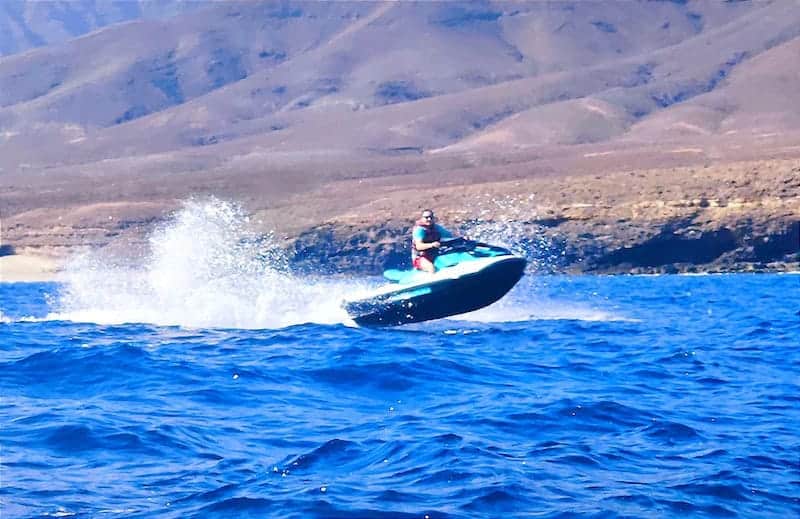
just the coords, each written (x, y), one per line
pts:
(469, 275)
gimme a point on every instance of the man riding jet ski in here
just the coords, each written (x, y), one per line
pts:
(463, 276)
(425, 240)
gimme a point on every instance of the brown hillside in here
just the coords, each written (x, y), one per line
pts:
(660, 120)
(384, 75)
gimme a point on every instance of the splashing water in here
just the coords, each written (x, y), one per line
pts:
(508, 222)
(511, 222)
(205, 269)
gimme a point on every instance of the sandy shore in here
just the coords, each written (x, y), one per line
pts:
(31, 268)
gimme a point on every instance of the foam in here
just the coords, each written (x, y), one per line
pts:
(205, 268)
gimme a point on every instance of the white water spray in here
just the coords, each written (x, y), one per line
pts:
(508, 222)
(205, 269)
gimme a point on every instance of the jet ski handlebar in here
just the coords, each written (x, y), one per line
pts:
(459, 244)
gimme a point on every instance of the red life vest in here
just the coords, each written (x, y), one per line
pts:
(431, 235)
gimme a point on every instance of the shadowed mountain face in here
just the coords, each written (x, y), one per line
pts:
(401, 77)
(28, 24)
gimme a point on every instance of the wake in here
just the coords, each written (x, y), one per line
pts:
(205, 269)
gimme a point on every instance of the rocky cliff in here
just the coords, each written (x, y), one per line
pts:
(740, 217)
(735, 216)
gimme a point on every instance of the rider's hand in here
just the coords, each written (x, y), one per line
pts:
(436, 244)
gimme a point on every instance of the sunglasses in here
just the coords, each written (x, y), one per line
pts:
(427, 216)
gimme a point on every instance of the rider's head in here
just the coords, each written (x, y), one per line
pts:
(428, 217)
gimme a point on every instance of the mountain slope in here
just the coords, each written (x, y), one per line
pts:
(28, 24)
(295, 77)
(742, 71)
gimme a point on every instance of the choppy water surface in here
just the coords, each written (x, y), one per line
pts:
(207, 381)
(635, 396)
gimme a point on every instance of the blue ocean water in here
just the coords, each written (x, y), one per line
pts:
(650, 396)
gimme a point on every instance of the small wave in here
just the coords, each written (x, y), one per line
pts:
(332, 453)
(444, 476)
(241, 506)
(671, 432)
(684, 507)
(386, 377)
(608, 413)
(499, 500)
(727, 492)
(76, 438)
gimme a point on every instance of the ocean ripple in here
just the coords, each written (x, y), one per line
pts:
(676, 406)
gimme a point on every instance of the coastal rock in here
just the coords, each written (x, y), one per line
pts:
(675, 247)
(733, 216)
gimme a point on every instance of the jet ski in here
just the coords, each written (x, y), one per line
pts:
(469, 275)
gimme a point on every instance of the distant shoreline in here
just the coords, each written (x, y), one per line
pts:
(727, 216)
(29, 268)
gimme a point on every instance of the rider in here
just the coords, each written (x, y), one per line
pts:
(425, 240)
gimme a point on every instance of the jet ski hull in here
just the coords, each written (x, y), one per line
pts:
(439, 298)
